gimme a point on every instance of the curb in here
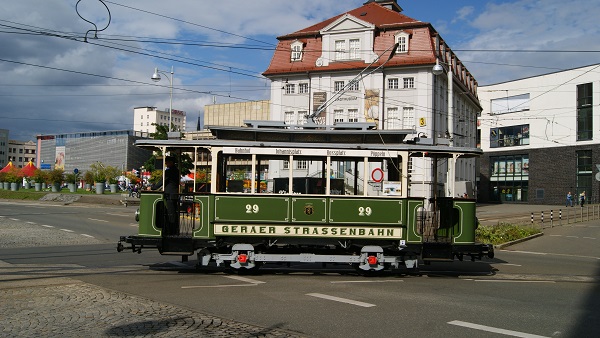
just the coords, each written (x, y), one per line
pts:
(516, 241)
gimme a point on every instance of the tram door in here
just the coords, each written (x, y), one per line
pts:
(178, 219)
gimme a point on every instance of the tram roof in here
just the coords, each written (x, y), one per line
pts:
(331, 139)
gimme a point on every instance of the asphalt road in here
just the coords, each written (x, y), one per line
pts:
(548, 286)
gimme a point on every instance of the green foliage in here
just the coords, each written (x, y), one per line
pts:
(112, 174)
(13, 176)
(88, 177)
(155, 177)
(39, 176)
(72, 177)
(3, 177)
(98, 172)
(55, 175)
(503, 233)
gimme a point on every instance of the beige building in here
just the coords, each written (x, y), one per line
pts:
(144, 117)
(20, 153)
(231, 114)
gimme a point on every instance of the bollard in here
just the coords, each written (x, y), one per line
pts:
(551, 218)
(542, 219)
(532, 218)
(560, 217)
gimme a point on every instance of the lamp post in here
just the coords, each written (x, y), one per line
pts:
(437, 71)
(156, 77)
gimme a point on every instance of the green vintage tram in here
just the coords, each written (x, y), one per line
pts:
(342, 194)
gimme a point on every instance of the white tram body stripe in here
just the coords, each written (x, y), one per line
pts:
(308, 231)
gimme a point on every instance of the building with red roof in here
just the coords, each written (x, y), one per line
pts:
(375, 64)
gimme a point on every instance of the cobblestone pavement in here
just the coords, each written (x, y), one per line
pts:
(42, 300)
(84, 310)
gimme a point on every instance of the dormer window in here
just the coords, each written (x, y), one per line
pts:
(297, 51)
(402, 40)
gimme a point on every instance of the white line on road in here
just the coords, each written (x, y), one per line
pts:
(589, 237)
(216, 286)
(511, 264)
(86, 235)
(552, 254)
(14, 219)
(342, 300)
(31, 222)
(244, 279)
(368, 281)
(122, 215)
(99, 220)
(494, 330)
(48, 226)
(513, 281)
(67, 230)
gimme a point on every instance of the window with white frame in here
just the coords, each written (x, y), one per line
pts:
(338, 86)
(303, 165)
(290, 88)
(409, 82)
(352, 115)
(402, 41)
(392, 83)
(296, 51)
(354, 49)
(408, 117)
(302, 117)
(303, 88)
(338, 115)
(286, 164)
(340, 49)
(289, 117)
(353, 86)
(392, 118)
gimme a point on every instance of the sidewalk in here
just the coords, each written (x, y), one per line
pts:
(492, 214)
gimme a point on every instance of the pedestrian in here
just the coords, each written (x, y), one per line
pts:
(171, 193)
(582, 198)
(569, 199)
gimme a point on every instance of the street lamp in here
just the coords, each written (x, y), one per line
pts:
(156, 77)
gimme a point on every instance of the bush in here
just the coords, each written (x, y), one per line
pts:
(39, 176)
(13, 176)
(503, 233)
(56, 176)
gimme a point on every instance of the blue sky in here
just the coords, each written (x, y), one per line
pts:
(53, 82)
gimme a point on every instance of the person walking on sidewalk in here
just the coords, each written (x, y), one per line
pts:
(569, 199)
(582, 198)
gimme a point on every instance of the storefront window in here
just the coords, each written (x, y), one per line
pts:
(509, 178)
(509, 136)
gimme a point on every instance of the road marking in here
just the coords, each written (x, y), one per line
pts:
(495, 330)
(572, 236)
(86, 235)
(67, 230)
(589, 237)
(216, 286)
(31, 222)
(244, 279)
(527, 252)
(552, 254)
(511, 264)
(368, 281)
(48, 226)
(513, 281)
(99, 220)
(341, 300)
(133, 225)
(555, 235)
(14, 219)
(122, 215)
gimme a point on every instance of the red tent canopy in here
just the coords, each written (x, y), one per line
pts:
(28, 169)
(8, 167)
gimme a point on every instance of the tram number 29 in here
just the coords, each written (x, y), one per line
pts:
(252, 208)
(362, 211)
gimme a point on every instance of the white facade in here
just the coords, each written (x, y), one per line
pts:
(540, 136)
(407, 97)
(144, 117)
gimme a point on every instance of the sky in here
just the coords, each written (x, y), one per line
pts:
(58, 75)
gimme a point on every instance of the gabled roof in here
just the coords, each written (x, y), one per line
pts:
(385, 22)
(371, 12)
